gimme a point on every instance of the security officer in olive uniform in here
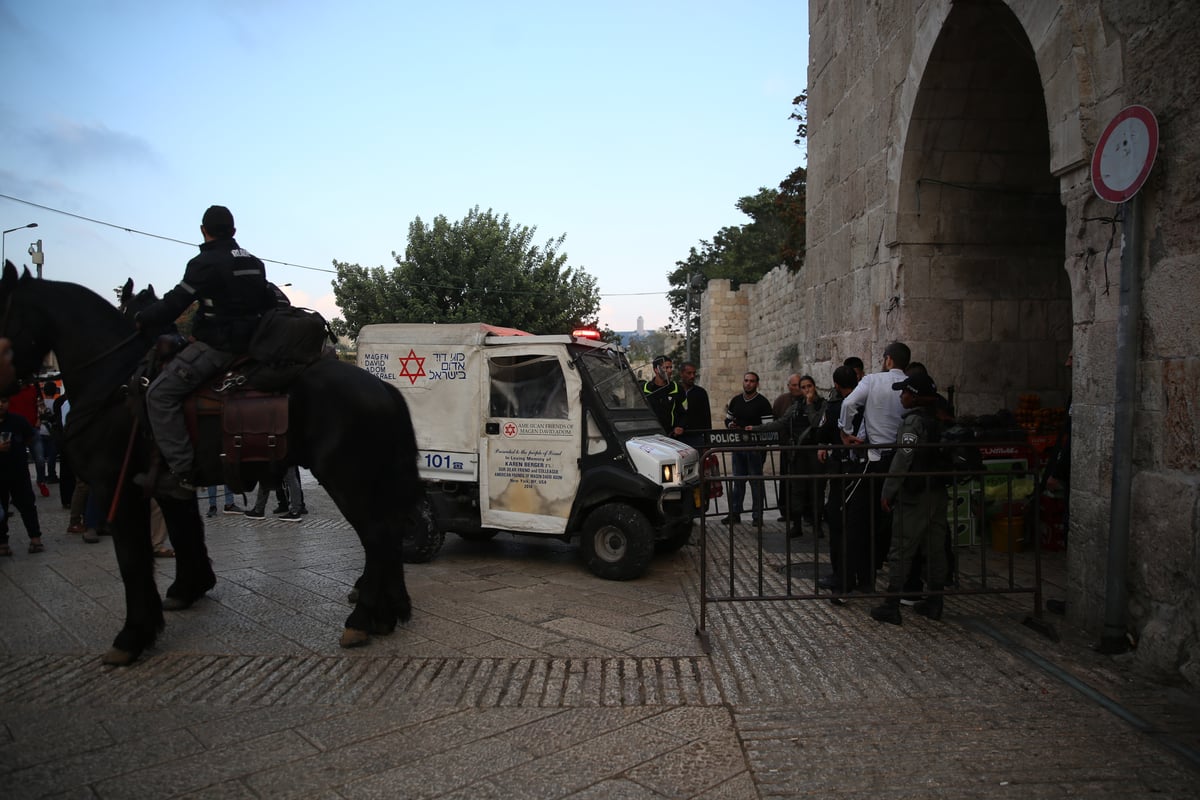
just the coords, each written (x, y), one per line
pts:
(919, 502)
(231, 287)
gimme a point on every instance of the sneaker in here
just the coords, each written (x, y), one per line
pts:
(76, 527)
(212, 511)
(279, 509)
(254, 513)
(90, 536)
(303, 509)
(43, 488)
(731, 518)
(231, 508)
(290, 517)
(910, 601)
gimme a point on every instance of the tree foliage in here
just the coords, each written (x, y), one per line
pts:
(743, 253)
(482, 268)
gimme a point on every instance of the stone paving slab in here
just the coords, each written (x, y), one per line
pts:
(521, 675)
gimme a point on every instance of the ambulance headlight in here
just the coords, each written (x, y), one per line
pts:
(668, 473)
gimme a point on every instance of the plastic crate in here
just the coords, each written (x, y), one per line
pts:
(964, 531)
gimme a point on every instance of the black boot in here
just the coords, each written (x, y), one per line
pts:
(931, 606)
(889, 611)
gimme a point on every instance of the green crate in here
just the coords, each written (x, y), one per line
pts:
(1003, 469)
(964, 531)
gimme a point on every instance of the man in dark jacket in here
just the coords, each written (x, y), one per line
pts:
(849, 566)
(231, 287)
(665, 396)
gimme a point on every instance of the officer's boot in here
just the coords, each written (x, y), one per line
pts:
(931, 606)
(889, 611)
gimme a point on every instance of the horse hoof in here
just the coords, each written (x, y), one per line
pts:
(353, 637)
(383, 630)
(116, 657)
(177, 603)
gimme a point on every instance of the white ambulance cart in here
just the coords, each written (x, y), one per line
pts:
(542, 435)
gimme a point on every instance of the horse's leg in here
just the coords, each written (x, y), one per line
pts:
(382, 595)
(193, 569)
(135, 557)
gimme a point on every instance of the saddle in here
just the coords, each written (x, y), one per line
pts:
(238, 432)
(238, 423)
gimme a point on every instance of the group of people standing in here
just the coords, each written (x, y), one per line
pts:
(847, 457)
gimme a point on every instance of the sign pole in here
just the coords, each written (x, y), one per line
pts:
(1121, 164)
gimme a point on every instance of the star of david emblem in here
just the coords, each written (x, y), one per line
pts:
(510, 429)
(406, 367)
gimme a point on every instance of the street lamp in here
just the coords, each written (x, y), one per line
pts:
(6, 233)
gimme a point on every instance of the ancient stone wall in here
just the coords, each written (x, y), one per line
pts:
(950, 205)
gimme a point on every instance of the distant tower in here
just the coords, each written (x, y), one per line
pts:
(641, 326)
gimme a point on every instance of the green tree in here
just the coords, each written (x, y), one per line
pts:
(743, 253)
(480, 269)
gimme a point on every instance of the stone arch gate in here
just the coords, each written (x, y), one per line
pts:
(977, 250)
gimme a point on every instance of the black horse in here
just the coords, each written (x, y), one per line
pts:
(352, 430)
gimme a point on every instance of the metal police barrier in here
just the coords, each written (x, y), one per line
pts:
(843, 531)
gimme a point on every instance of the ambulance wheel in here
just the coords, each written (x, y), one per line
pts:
(422, 539)
(674, 536)
(617, 542)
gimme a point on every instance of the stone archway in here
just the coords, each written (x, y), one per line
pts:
(980, 226)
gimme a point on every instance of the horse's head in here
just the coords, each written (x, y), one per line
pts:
(132, 303)
(23, 322)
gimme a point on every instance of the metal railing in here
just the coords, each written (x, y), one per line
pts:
(746, 560)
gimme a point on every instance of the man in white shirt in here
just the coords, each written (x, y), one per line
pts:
(867, 524)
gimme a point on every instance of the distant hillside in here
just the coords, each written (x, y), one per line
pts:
(629, 336)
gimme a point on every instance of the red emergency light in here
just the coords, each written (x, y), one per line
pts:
(586, 333)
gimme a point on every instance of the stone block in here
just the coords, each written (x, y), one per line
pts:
(1006, 321)
(933, 320)
(1181, 414)
(1163, 530)
(977, 320)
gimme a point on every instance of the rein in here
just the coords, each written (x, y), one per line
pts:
(94, 359)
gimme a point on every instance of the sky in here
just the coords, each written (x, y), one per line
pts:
(327, 128)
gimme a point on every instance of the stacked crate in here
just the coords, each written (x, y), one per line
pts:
(962, 512)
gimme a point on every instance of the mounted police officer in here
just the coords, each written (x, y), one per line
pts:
(231, 288)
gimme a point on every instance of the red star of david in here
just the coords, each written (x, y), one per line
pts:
(510, 429)
(406, 362)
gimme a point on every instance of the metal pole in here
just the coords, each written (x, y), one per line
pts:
(4, 241)
(1129, 314)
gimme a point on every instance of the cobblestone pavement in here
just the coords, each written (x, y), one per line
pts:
(521, 675)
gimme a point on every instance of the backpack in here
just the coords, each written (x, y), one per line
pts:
(287, 340)
(959, 453)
